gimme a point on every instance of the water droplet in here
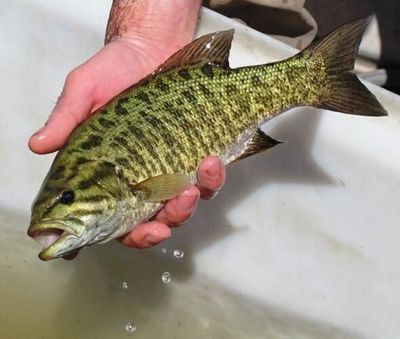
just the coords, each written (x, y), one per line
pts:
(166, 277)
(130, 327)
(178, 254)
(125, 285)
(164, 250)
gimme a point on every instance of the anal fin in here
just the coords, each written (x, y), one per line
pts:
(250, 143)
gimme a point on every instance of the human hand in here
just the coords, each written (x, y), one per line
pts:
(136, 48)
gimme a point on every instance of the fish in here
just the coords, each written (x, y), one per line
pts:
(119, 167)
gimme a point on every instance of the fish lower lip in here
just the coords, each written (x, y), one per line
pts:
(49, 252)
(49, 236)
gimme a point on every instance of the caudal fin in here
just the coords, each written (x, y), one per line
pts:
(344, 92)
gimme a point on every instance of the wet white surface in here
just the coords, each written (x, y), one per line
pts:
(301, 243)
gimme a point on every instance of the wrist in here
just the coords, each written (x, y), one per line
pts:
(172, 22)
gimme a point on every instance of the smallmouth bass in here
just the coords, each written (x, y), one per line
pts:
(143, 147)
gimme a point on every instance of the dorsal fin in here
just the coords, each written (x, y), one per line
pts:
(211, 48)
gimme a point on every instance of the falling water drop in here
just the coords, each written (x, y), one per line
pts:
(130, 327)
(125, 285)
(164, 250)
(178, 254)
(166, 277)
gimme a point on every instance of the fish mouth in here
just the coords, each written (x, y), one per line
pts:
(52, 236)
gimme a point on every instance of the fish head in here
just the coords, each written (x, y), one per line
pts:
(77, 206)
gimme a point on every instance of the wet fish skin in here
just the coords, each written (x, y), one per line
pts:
(116, 163)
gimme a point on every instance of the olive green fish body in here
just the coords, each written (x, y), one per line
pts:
(174, 120)
(144, 146)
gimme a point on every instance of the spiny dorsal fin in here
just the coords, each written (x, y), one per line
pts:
(162, 187)
(259, 142)
(211, 48)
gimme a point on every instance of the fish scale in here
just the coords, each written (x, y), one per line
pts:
(143, 147)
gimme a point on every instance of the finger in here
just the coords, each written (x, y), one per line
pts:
(147, 235)
(210, 176)
(180, 209)
(73, 106)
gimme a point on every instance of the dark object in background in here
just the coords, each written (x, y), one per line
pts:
(388, 14)
(279, 21)
(328, 15)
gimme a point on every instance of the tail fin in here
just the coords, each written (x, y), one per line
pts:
(344, 93)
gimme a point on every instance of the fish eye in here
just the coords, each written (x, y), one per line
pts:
(67, 197)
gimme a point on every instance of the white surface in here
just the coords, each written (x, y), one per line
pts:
(301, 243)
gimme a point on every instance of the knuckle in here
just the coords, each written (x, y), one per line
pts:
(80, 79)
(73, 77)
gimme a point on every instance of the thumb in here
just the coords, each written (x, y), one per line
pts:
(73, 106)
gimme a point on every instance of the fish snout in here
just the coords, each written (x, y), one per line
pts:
(54, 236)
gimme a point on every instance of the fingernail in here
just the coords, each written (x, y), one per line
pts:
(187, 202)
(39, 133)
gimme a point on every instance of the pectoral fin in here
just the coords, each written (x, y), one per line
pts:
(163, 187)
